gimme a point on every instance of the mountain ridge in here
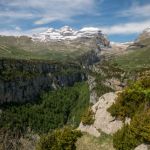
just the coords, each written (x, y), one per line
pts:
(66, 33)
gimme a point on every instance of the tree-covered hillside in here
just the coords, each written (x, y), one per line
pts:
(53, 110)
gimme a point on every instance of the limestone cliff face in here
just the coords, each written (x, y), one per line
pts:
(22, 81)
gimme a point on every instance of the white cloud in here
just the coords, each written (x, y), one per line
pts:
(17, 28)
(17, 31)
(137, 11)
(55, 17)
(122, 29)
(63, 10)
(16, 15)
(36, 30)
(128, 28)
(45, 11)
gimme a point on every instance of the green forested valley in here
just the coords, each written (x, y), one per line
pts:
(53, 110)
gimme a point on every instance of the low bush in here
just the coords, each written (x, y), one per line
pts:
(134, 98)
(88, 117)
(124, 139)
(60, 139)
(136, 133)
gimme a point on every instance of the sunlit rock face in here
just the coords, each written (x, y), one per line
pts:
(103, 120)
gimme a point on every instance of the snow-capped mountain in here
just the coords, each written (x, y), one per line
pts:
(66, 33)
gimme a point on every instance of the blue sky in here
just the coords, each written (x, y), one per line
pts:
(121, 20)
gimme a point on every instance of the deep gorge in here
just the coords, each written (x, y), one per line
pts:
(23, 80)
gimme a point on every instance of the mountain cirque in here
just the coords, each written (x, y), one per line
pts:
(63, 44)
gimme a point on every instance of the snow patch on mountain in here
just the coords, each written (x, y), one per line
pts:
(66, 33)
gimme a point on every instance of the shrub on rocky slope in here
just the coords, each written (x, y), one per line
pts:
(133, 102)
(88, 117)
(60, 139)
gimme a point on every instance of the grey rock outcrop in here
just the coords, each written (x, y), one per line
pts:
(103, 120)
(115, 84)
(93, 94)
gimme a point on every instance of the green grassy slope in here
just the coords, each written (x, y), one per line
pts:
(134, 60)
(24, 48)
(138, 57)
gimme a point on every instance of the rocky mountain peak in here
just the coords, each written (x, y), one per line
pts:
(66, 33)
(66, 28)
(51, 30)
(144, 35)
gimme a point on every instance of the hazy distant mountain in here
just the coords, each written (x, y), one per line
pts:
(142, 41)
(144, 35)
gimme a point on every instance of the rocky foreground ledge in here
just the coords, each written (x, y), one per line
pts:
(104, 122)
